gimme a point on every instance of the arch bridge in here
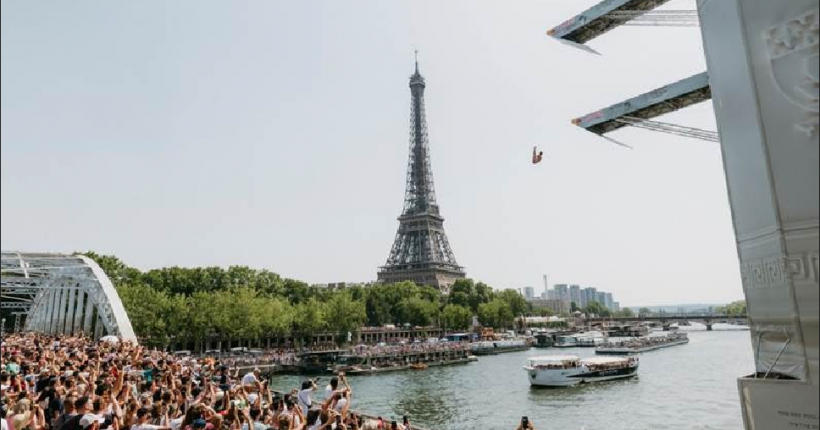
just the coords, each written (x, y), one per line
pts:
(61, 294)
(708, 320)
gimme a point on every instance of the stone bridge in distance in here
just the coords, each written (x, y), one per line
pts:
(668, 319)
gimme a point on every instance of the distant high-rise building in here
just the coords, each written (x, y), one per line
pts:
(575, 295)
(590, 295)
(617, 307)
(562, 292)
(558, 307)
(529, 293)
(609, 301)
(601, 298)
(582, 297)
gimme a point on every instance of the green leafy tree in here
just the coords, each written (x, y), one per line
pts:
(514, 300)
(277, 316)
(644, 312)
(457, 317)
(483, 294)
(543, 312)
(193, 305)
(378, 310)
(117, 271)
(175, 313)
(310, 319)
(345, 315)
(595, 308)
(417, 312)
(626, 313)
(146, 308)
(461, 293)
(496, 314)
(297, 292)
(735, 309)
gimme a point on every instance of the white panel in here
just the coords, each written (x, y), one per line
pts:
(762, 58)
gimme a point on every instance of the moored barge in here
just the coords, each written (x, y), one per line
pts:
(644, 344)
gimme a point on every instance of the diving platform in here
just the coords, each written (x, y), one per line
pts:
(637, 110)
(602, 18)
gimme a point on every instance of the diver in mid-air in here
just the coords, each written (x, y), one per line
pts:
(537, 156)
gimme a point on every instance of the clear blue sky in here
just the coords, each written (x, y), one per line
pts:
(275, 135)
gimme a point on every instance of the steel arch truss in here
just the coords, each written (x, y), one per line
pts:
(62, 294)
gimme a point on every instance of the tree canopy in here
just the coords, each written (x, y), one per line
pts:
(735, 309)
(194, 304)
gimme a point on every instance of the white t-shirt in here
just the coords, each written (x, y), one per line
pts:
(176, 423)
(305, 401)
(145, 426)
(340, 405)
(249, 379)
(328, 392)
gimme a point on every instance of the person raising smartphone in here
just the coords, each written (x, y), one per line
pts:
(525, 424)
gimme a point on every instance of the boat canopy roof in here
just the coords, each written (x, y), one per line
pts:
(556, 359)
(605, 360)
(321, 353)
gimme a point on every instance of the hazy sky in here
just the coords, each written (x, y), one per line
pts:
(274, 134)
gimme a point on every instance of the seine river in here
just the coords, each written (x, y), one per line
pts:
(690, 387)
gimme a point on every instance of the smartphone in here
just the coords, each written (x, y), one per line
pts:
(525, 423)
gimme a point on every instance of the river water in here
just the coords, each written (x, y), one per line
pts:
(689, 387)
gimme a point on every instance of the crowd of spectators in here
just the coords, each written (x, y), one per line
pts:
(408, 348)
(73, 383)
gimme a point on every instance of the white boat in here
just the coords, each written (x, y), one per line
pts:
(644, 344)
(571, 370)
(499, 346)
(589, 339)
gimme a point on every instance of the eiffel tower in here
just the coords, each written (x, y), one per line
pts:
(421, 252)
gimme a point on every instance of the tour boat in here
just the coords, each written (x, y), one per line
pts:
(570, 370)
(644, 344)
(589, 339)
(499, 346)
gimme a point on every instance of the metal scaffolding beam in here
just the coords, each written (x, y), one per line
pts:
(56, 292)
(641, 110)
(602, 18)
